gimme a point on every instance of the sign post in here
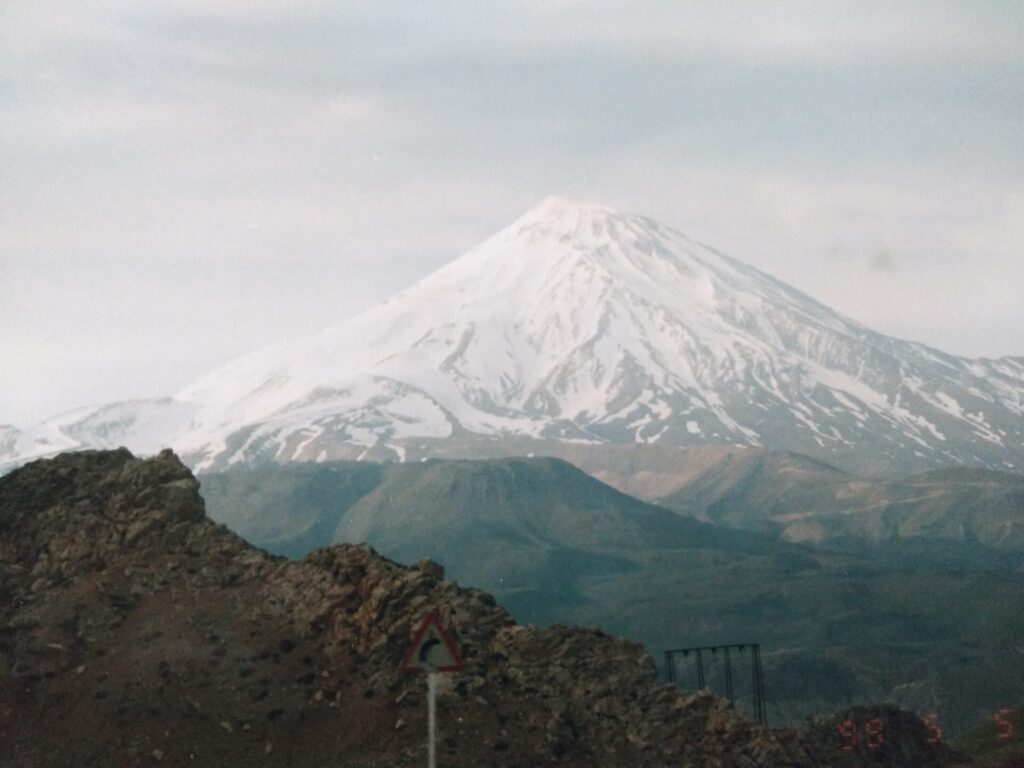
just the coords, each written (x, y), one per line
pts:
(431, 719)
(431, 651)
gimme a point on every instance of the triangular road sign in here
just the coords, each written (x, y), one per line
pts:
(432, 650)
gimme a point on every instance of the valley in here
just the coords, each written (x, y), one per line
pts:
(851, 620)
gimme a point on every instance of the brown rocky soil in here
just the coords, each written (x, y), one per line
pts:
(135, 632)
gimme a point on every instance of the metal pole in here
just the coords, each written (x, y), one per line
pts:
(670, 667)
(757, 692)
(700, 671)
(728, 675)
(762, 714)
(758, 686)
(431, 719)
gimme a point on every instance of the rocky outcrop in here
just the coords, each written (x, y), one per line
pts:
(134, 631)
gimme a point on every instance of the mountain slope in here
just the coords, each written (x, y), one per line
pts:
(528, 529)
(135, 632)
(554, 545)
(802, 500)
(580, 323)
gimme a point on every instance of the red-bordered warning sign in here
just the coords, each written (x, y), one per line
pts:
(431, 650)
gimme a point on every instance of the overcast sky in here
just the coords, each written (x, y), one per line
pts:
(185, 180)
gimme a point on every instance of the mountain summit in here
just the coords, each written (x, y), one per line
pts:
(581, 323)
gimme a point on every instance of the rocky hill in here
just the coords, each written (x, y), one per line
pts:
(838, 626)
(134, 631)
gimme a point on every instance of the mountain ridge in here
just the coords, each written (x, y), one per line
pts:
(578, 323)
(838, 624)
(134, 631)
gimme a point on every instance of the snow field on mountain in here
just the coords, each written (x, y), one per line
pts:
(581, 323)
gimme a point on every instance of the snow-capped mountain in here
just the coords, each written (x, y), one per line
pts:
(580, 323)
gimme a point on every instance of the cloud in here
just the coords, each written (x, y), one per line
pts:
(883, 261)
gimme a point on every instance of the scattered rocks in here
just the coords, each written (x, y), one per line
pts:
(560, 732)
(430, 568)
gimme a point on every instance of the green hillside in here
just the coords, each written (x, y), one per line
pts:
(929, 628)
(787, 494)
(800, 499)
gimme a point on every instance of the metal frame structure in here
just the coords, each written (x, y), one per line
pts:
(757, 675)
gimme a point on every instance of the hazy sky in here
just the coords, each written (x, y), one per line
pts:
(185, 180)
